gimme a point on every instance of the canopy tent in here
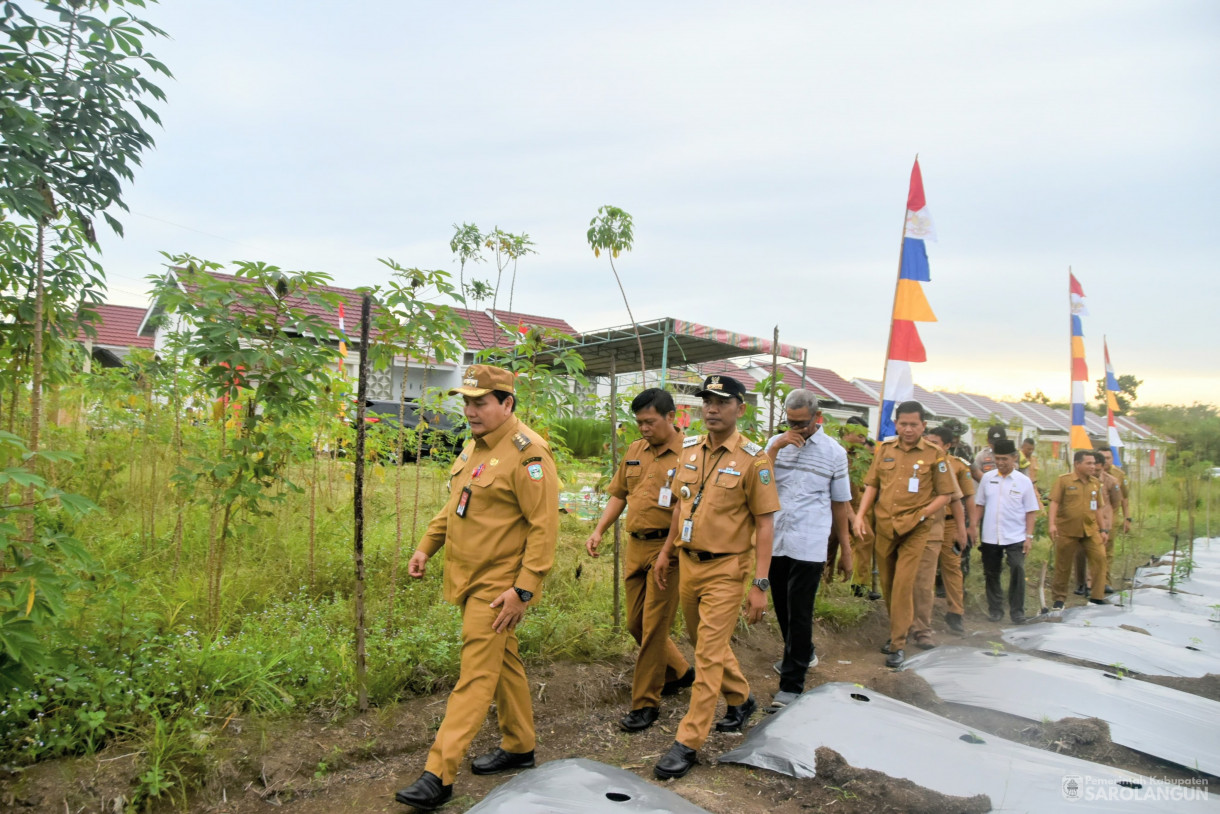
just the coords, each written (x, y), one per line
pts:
(668, 342)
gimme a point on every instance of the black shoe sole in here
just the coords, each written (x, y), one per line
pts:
(529, 765)
(661, 774)
(422, 806)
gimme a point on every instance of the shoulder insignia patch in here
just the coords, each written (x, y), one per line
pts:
(764, 476)
(751, 448)
(534, 471)
(691, 440)
(529, 461)
(942, 467)
(520, 441)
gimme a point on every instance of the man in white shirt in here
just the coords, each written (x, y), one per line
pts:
(815, 501)
(1005, 508)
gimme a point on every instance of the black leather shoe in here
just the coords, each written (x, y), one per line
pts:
(995, 615)
(425, 793)
(1058, 605)
(1109, 590)
(1018, 619)
(735, 717)
(638, 719)
(895, 659)
(1081, 590)
(1098, 601)
(888, 647)
(857, 590)
(679, 684)
(676, 762)
(497, 760)
(954, 621)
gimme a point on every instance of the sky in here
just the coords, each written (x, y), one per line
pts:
(763, 150)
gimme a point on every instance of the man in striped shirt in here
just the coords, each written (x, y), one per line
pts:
(815, 501)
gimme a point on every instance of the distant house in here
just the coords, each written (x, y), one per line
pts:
(117, 329)
(486, 329)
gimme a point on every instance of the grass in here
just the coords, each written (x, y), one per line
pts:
(137, 663)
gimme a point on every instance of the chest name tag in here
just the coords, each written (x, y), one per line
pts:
(665, 498)
(463, 504)
(688, 525)
(913, 485)
(728, 471)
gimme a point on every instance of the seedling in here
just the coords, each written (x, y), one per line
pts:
(997, 648)
(1215, 612)
(1120, 671)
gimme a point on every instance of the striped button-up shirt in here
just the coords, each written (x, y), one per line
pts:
(809, 478)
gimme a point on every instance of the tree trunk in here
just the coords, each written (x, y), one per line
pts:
(362, 694)
(638, 342)
(36, 378)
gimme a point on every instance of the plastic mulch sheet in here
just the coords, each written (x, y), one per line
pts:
(873, 731)
(1183, 603)
(1107, 646)
(1172, 725)
(584, 786)
(1170, 626)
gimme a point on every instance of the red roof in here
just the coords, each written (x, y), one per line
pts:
(116, 326)
(483, 332)
(726, 367)
(836, 385)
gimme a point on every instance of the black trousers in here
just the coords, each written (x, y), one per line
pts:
(993, 563)
(794, 587)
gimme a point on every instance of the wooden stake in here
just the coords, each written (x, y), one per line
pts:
(618, 528)
(774, 379)
(362, 387)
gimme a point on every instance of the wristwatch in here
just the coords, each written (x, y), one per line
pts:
(1129, 520)
(523, 595)
(762, 584)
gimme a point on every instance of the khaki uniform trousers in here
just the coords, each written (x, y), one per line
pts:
(898, 560)
(650, 615)
(1066, 549)
(925, 587)
(712, 593)
(492, 670)
(1081, 561)
(862, 559)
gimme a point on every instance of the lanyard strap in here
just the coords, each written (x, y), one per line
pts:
(707, 473)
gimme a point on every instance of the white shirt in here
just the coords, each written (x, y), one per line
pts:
(808, 478)
(1005, 499)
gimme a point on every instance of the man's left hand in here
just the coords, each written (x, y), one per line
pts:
(512, 611)
(756, 605)
(1126, 525)
(845, 565)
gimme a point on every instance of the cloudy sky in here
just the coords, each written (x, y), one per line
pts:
(762, 148)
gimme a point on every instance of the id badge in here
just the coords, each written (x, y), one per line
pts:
(913, 485)
(665, 498)
(687, 526)
(1092, 505)
(463, 503)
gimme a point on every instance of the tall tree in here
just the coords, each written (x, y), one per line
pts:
(611, 231)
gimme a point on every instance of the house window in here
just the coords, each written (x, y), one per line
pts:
(468, 358)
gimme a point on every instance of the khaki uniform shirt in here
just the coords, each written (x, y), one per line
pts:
(965, 487)
(1075, 517)
(1121, 476)
(511, 525)
(639, 479)
(1113, 495)
(896, 508)
(1030, 470)
(738, 486)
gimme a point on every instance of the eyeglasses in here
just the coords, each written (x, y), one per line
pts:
(799, 425)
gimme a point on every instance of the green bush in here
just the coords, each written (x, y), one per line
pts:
(585, 437)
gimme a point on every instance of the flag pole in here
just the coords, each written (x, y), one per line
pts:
(1071, 381)
(890, 339)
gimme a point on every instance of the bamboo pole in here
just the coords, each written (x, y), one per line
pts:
(774, 379)
(890, 338)
(618, 526)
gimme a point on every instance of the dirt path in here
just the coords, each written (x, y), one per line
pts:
(357, 764)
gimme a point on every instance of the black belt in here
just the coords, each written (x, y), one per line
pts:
(650, 534)
(704, 556)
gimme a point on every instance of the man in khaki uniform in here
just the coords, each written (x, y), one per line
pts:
(499, 529)
(859, 448)
(644, 486)
(941, 551)
(1075, 522)
(1121, 477)
(1111, 497)
(910, 484)
(726, 494)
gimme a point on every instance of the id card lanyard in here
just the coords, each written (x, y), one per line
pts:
(688, 524)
